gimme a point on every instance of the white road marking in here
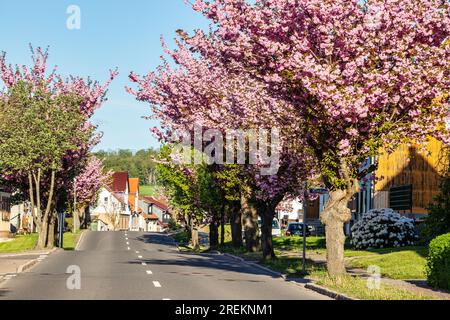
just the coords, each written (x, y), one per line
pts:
(137, 252)
(166, 299)
(157, 284)
(149, 272)
(128, 248)
(128, 243)
(140, 257)
(144, 263)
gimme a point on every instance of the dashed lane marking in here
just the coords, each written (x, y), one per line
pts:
(157, 284)
(149, 272)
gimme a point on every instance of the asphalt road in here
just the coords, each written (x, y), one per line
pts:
(138, 266)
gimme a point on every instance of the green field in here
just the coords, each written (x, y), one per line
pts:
(149, 191)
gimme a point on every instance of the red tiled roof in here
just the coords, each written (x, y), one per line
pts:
(119, 182)
(154, 201)
(151, 216)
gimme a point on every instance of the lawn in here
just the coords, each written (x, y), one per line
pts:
(397, 263)
(24, 243)
(408, 264)
(19, 244)
(356, 287)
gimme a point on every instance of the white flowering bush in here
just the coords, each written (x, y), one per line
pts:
(383, 228)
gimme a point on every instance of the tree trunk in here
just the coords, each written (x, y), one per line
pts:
(250, 215)
(267, 213)
(194, 235)
(236, 224)
(76, 221)
(335, 215)
(43, 235)
(213, 235)
(51, 233)
(222, 223)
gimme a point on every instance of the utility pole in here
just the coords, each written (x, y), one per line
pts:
(305, 197)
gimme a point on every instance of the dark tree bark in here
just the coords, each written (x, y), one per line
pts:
(267, 213)
(236, 224)
(250, 215)
(222, 223)
(214, 235)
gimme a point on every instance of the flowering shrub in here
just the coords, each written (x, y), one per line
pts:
(383, 228)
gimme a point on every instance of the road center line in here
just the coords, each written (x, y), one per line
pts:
(144, 263)
(128, 248)
(149, 272)
(137, 252)
(140, 257)
(157, 284)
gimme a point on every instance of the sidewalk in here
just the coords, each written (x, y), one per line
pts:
(13, 263)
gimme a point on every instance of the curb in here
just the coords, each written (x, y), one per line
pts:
(310, 286)
(77, 247)
(256, 265)
(32, 263)
(327, 292)
(27, 266)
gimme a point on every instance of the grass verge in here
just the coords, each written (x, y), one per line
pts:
(71, 240)
(23, 243)
(20, 243)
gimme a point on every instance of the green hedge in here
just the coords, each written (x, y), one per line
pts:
(438, 267)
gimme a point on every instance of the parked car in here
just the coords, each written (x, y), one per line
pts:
(296, 229)
(276, 228)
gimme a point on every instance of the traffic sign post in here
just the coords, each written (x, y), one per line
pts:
(62, 218)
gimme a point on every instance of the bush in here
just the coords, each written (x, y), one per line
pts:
(438, 266)
(383, 228)
(438, 220)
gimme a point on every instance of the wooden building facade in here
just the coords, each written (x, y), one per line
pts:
(411, 170)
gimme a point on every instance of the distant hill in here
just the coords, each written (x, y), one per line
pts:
(138, 164)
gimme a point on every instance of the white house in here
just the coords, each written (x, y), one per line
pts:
(112, 210)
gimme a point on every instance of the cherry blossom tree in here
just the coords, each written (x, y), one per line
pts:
(85, 188)
(55, 177)
(204, 93)
(360, 75)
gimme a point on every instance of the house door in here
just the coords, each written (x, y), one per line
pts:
(124, 222)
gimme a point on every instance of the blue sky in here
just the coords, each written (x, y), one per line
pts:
(114, 33)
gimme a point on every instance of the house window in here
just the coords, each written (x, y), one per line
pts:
(5, 208)
(105, 200)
